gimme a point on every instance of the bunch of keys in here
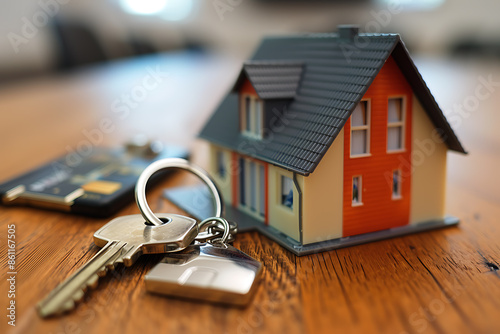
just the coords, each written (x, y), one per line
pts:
(200, 262)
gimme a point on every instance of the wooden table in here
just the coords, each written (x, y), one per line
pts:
(434, 282)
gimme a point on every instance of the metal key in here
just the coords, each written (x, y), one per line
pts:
(123, 240)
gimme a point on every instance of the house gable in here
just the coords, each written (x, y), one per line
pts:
(377, 208)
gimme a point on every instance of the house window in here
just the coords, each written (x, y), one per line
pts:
(262, 196)
(242, 182)
(248, 114)
(395, 124)
(357, 189)
(252, 116)
(286, 191)
(360, 129)
(396, 184)
(258, 118)
(252, 186)
(221, 164)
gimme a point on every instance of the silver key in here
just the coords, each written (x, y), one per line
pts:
(123, 240)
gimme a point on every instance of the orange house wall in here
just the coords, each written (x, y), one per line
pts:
(379, 211)
(247, 88)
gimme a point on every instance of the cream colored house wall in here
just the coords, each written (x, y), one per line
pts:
(428, 169)
(281, 217)
(323, 196)
(223, 183)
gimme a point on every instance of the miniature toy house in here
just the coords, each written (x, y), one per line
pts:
(330, 140)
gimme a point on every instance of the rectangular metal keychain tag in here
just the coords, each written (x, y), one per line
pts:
(212, 272)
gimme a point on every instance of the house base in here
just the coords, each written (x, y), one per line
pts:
(196, 201)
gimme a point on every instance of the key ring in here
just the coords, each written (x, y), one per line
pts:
(212, 221)
(140, 187)
(215, 230)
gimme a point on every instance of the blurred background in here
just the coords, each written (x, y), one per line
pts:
(42, 36)
(67, 64)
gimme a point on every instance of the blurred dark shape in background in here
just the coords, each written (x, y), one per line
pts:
(46, 36)
(78, 45)
(474, 47)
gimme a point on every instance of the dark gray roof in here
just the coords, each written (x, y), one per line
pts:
(272, 80)
(336, 74)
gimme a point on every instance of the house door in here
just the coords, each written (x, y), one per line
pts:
(252, 188)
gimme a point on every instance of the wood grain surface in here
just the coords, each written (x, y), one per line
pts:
(444, 281)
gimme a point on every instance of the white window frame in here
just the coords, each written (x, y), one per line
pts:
(363, 127)
(256, 116)
(399, 195)
(401, 124)
(220, 161)
(360, 190)
(280, 199)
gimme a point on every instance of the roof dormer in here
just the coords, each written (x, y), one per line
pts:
(265, 89)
